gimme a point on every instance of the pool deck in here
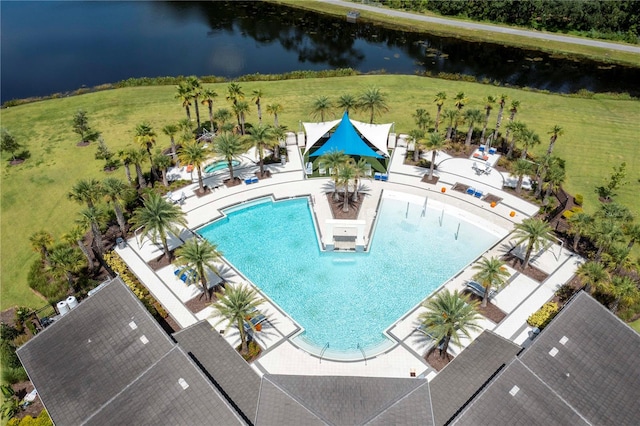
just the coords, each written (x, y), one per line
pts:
(518, 299)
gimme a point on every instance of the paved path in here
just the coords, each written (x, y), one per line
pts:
(486, 27)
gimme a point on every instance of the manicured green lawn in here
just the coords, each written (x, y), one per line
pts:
(599, 134)
(635, 325)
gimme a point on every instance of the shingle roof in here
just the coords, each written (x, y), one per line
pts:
(224, 364)
(278, 408)
(596, 368)
(465, 375)
(345, 400)
(412, 409)
(94, 354)
(533, 403)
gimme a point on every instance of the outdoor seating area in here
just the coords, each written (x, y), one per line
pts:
(187, 276)
(481, 170)
(254, 321)
(250, 180)
(475, 192)
(176, 197)
(381, 176)
(478, 289)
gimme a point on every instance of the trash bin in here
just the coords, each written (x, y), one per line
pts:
(121, 243)
(283, 160)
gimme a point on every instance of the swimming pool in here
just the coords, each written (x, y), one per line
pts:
(219, 165)
(346, 299)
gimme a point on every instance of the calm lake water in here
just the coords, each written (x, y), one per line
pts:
(51, 46)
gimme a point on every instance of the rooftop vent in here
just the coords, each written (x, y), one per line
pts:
(144, 339)
(564, 340)
(553, 351)
(514, 390)
(182, 382)
(133, 325)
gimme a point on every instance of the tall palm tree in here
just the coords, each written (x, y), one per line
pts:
(513, 110)
(320, 106)
(162, 162)
(471, 116)
(605, 234)
(93, 217)
(529, 138)
(115, 191)
(234, 93)
(517, 128)
(451, 115)
(199, 255)
(422, 119)
(593, 275)
(222, 117)
(236, 303)
(333, 161)
(126, 161)
(194, 153)
(157, 218)
(195, 90)
(555, 132)
(439, 100)
(417, 137)
(171, 130)
(374, 101)
(435, 142)
(229, 146)
(554, 179)
(279, 136)
(521, 168)
(488, 106)
(41, 241)
(347, 102)
(344, 176)
(137, 157)
(632, 230)
(145, 137)
(579, 224)
(535, 232)
(240, 108)
(274, 109)
(501, 103)
(448, 317)
(208, 95)
(618, 257)
(541, 171)
(256, 97)
(625, 290)
(183, 94)
(76, 236)
(259, 137)
(491, 273)
(459, 101)
(65, 261)
(359, 171)
(87, 191)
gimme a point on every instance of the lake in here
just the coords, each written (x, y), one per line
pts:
(52, 46)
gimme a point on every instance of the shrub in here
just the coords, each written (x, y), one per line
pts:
(578, 199)
(567, 214)
(14, 375)
(41, 282)
(542, 316)
(565, 292)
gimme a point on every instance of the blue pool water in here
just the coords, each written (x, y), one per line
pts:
(346, 299)
(219, 165)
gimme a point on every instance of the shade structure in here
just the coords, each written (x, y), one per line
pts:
(347, 140)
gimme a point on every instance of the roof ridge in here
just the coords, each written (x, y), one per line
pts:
(397, 401)
(280, 388)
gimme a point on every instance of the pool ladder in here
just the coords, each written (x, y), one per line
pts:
(363, 354)
(323, 351)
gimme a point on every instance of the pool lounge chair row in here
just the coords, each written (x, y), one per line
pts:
(255, 318)
(185, 275)
(475, 192)
(381, 176)
(478, 289)
(250, 180)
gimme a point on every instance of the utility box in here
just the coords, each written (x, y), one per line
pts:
(121, 243)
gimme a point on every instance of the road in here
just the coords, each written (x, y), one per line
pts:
(486, 27)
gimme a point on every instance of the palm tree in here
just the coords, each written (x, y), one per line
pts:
(517, 128)
(137, 157)
(229, 146)
(417, 137)
(333, 160)
(439, 100)
(593, 275)
(208, 95)
(157, 218)
(41, 241)
(501, 103)
(359, 170)
(145, 137)
(513, 110)
(459, 101)
(579, 224)
(488, 106)
(256, 97)
(274, 109)
(536, 232)
(343, 177)
(234, 93)
(162, 162)
(521, 168)
(555, 132)
(491, 273)
(199, 255)
(92, 217)
(435, 143)
(259, 137)
(76, 236)
(171, 130)
(541, 171)
(618, 257)
(222, 117)
(625, 290)
(240, 108)
(448, 316)
(529, 138)
(471, 116)
(65, 261)
(195, 90)
(184, 96)
(451, 115)
(554, 179)
(374, 101)
(605, 234)
(194, 153)
(632, 230)
(87, 191)
(422, 119)
(126, 161)
(321, 105)
(115, 192)
(347, 103)
(279, 136)
(235, 304)
(616, 212)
